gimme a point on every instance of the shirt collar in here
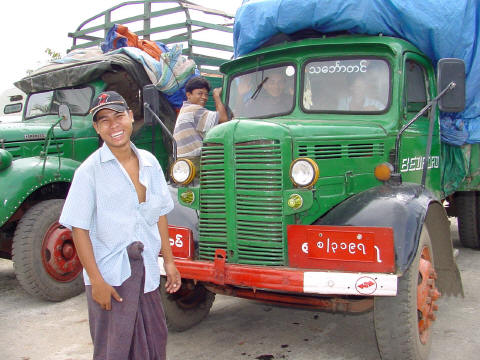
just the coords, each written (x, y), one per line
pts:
(107, 155)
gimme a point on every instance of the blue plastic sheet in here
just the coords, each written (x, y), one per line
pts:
(439, 28)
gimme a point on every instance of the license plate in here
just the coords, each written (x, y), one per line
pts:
(343, 248)
(181, 241)
(341, 245)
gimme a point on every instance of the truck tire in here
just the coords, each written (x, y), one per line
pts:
(187, 307)
(403, 323)
(44, 257)
(467, 204)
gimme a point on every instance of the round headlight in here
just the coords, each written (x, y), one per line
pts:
(304, 172)
(183, 171)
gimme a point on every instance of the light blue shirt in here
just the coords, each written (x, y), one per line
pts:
(102, 199)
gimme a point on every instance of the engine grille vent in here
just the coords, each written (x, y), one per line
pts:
(338, 151)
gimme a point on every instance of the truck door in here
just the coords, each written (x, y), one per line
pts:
(418, 86)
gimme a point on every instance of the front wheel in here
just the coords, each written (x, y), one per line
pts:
(403, 324)
(188, 306)
(44, 257)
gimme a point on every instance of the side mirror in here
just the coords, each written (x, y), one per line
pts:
(64, 113)
(151, 96)
(451, 71)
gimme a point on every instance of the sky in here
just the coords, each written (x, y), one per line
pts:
(28, 27)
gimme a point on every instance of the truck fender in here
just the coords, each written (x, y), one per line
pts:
(25, 176)
(405, 208)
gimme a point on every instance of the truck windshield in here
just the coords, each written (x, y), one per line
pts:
(346, 85)
(265, 92)
(47, 103)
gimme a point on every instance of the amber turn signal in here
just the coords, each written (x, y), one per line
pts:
(383, 172)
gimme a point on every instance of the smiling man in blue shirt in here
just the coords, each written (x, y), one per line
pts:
(116, 208)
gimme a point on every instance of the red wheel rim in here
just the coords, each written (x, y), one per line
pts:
(427, 294)
(59, 256)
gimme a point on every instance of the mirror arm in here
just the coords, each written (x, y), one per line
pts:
(46, 145)
(174, 143)
(450, 87)
(429, 143)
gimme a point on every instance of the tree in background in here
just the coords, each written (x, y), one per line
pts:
(53, 55)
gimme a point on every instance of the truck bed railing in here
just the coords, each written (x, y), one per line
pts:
(207, 42)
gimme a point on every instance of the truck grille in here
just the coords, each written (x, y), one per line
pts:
(213, 213)
(258, 230)
(259, 223)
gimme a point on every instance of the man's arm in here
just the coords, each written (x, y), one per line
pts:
(222, 112)
(173, 276)
(101, 291)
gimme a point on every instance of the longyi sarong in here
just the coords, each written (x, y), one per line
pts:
(135, 329)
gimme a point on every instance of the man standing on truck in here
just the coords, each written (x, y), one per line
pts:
(116, 208)
(194, 120)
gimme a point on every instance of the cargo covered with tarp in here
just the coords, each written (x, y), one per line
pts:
(169, 73)
(89, 65)
(439, 28)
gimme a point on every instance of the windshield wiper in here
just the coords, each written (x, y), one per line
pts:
(259, 87)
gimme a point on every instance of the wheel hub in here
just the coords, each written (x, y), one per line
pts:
(427, 294)
(59, 256)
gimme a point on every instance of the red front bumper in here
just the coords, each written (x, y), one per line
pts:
(351, 269)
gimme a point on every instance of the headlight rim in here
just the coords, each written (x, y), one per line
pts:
(191, 175)
(315, 168)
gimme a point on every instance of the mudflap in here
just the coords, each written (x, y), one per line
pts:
(404, 208)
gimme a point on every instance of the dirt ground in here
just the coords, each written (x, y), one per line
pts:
(31, 329)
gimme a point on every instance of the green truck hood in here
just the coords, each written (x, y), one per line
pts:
(37, 129)
(249, 130)
(22, 131)
(338, 129)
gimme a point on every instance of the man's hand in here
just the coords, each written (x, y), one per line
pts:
(174, 281)
(102, 293)
(222, 112)
(217, 92)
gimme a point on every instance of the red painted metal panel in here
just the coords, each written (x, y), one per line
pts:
(341, 248)
(257, 277)
(181, 241)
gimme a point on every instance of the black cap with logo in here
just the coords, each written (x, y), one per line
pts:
(108, 100)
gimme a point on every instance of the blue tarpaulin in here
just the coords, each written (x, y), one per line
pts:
(439, 28)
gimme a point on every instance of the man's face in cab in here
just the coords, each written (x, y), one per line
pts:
(198, 97)
(275, 85)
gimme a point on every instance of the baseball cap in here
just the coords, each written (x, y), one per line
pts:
(108, 100)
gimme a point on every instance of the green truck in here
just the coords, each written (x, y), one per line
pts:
(332, 198)
(38, 157)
